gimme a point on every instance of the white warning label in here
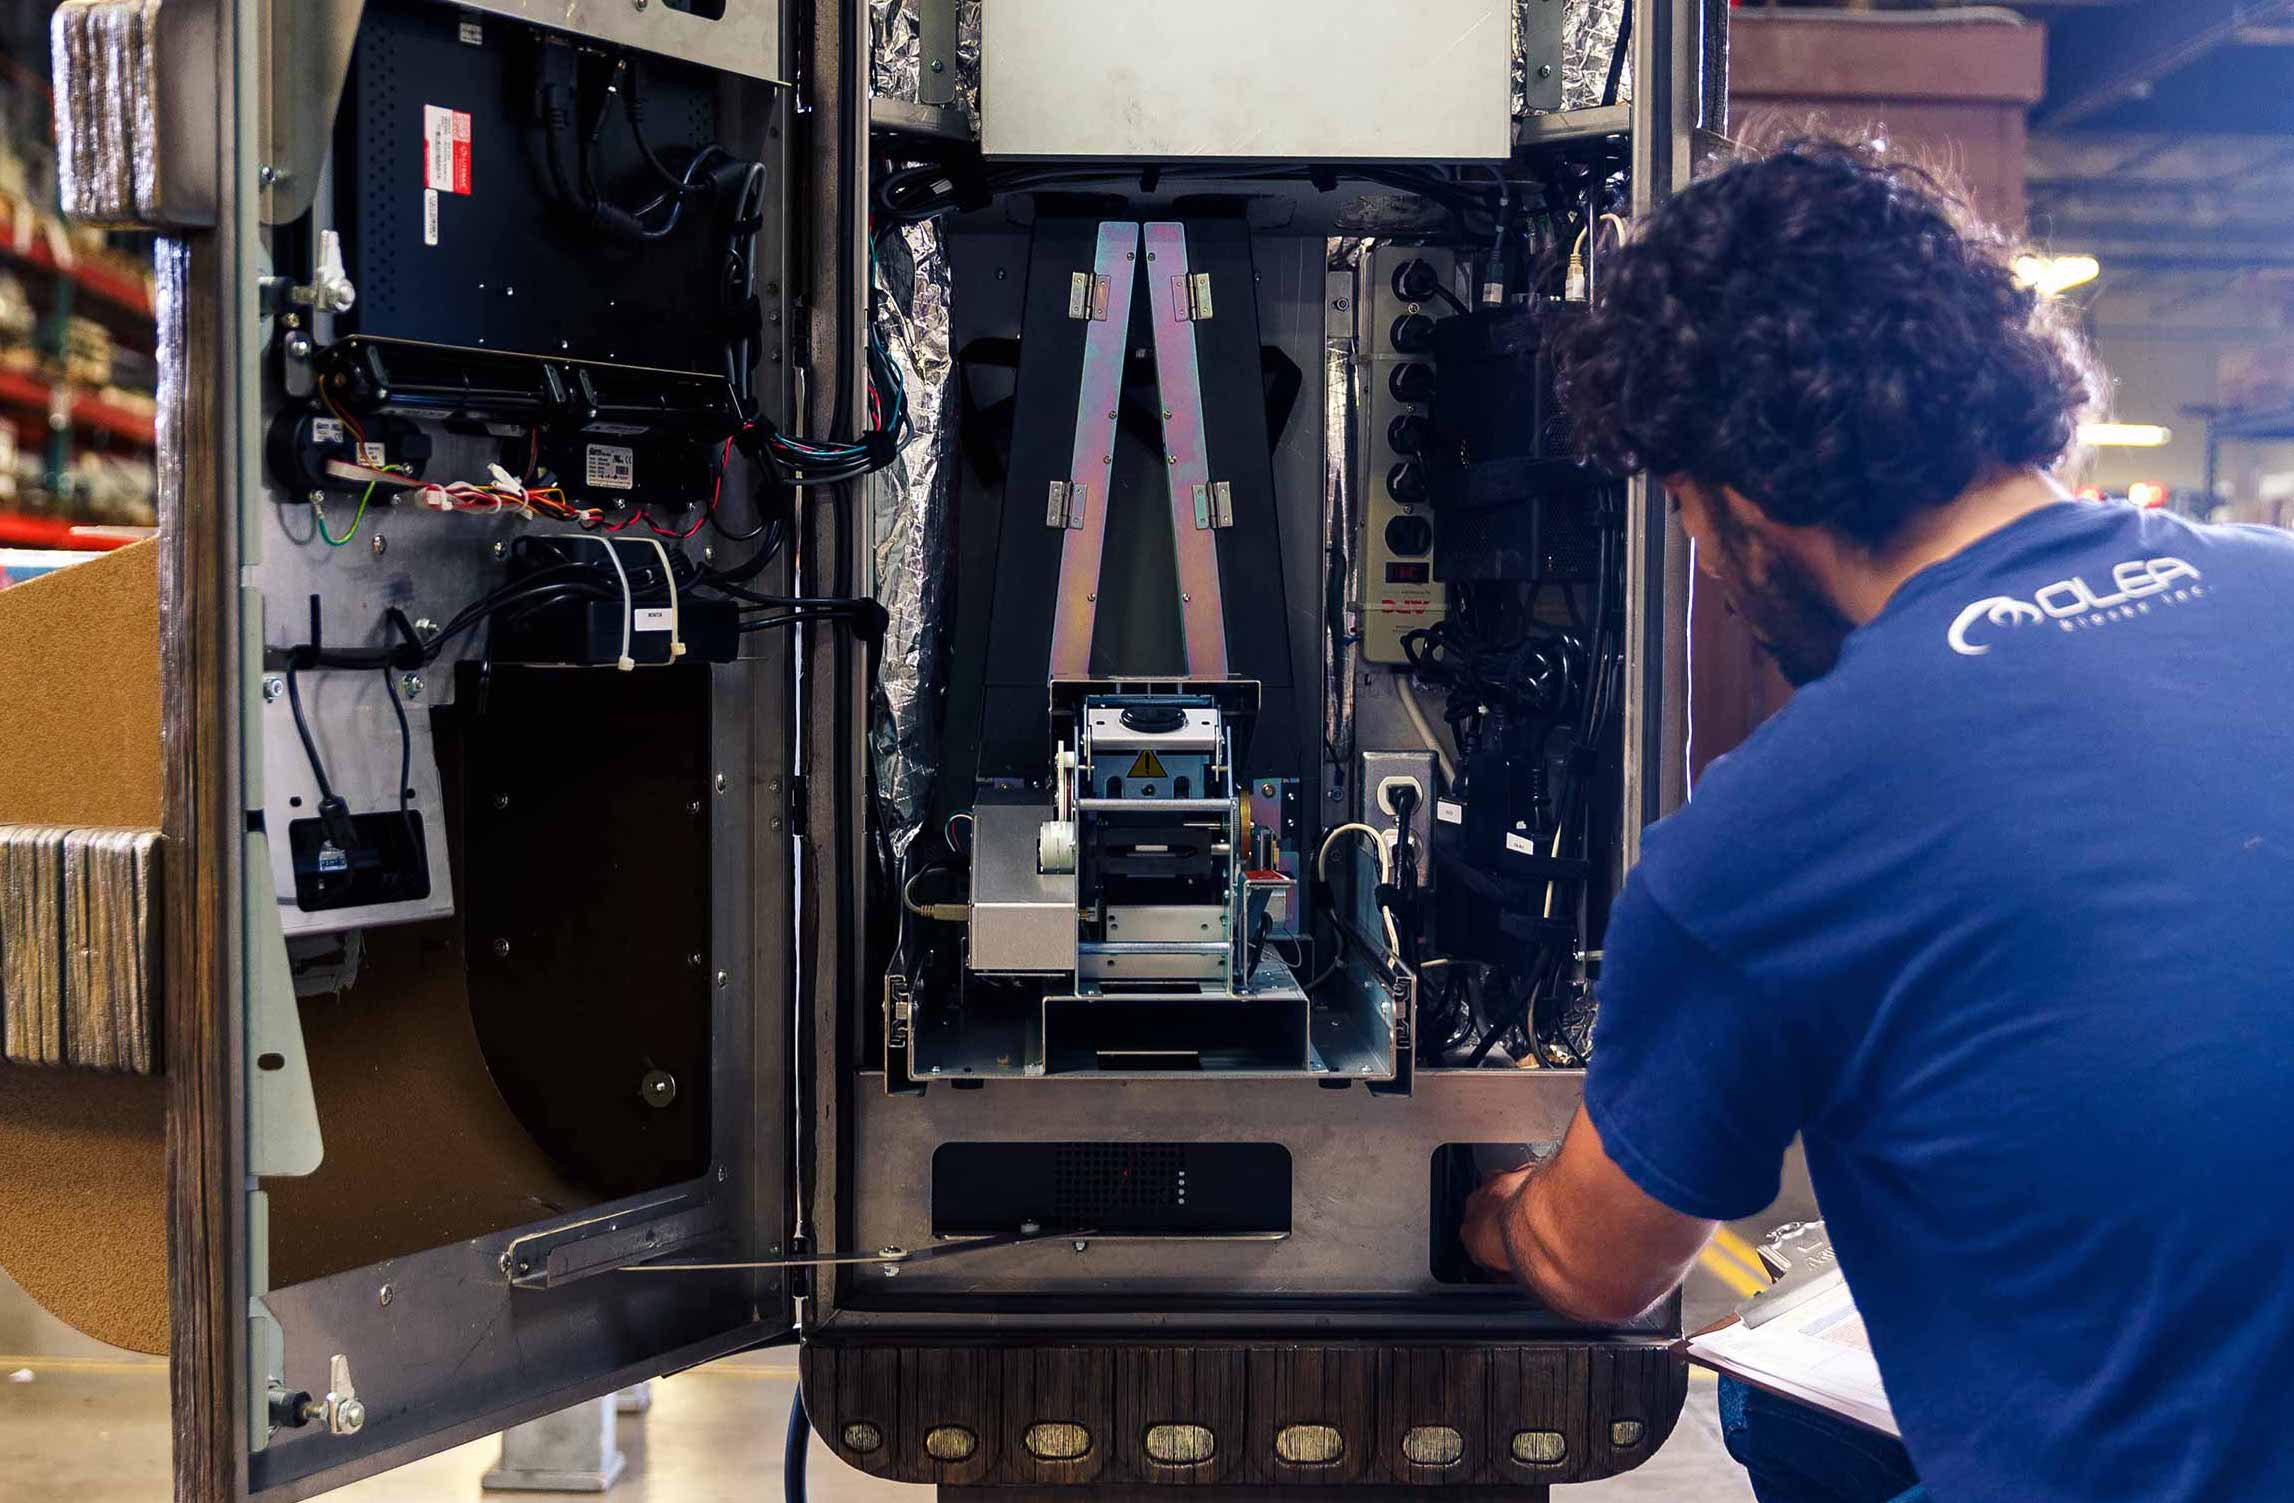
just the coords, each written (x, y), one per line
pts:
(473, 32)
(430, 216)
(1519, 844)
(1449, 812)
(373, 456)
(649, 618)
(326, 430)
(610, 466)
(445, 149)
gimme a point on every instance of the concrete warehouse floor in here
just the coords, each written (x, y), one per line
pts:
(81, 1422)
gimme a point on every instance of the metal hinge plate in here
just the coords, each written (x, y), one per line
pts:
(1191, 296)
(1087, 297)
(1064, 504)
(1214, 504)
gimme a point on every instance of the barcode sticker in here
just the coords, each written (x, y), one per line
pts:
(611, 467)
(445, 149)
(1520, 844)
(649, 618)
(1448, 812)
(326, 430)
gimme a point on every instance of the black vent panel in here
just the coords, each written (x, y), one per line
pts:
(1112, 1188)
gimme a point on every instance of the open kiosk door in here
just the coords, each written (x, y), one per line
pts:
(480, 936)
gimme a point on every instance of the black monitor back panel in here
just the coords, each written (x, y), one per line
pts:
(491, 259)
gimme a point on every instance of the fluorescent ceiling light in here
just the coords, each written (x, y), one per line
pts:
(2054, 274)
(2125, 435)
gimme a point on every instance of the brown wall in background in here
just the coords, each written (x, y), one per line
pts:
(1953, 93)
(82, 1194)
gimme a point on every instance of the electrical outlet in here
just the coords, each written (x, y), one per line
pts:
(1382, 773)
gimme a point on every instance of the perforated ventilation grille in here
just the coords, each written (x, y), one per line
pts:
(1091, 1180)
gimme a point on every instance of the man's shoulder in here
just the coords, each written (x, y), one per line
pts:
(1800, 783)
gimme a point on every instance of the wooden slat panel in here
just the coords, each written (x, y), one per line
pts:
(1313, 1385)
(1206, 1386)
(950, 1386)
(1057, 1386)
(1434, 1387)
(848, 1386)
(1539, 1389)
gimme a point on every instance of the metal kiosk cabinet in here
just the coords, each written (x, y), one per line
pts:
(625, 1080)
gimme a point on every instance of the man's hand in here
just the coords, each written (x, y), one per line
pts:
(1579, 1232)
(1486, 1213)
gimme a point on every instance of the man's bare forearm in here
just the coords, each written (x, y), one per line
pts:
(1582, 1236)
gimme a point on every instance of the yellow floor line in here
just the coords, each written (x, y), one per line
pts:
(1725, 1268)
(1741, 1250)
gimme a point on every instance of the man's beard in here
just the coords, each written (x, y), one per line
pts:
(1791, 618)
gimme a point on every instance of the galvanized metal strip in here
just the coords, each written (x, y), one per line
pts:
(1202, 608)
(1092, 462)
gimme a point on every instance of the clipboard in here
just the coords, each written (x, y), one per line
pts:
(1801, 1339)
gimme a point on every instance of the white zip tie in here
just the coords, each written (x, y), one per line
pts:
(628, 600)
(676, 640)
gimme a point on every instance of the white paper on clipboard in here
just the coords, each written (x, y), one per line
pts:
(1815, 1352)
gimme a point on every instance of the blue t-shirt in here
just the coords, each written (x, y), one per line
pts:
(1999, 916)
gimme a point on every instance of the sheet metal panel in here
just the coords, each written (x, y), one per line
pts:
(1326, 79)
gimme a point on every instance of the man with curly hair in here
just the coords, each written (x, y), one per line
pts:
(1994, 916)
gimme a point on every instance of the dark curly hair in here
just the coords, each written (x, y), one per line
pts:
(1830, 331)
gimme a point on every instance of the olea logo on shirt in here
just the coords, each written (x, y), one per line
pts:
(2074, 605)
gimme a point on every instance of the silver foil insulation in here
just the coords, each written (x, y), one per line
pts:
(897, 63)
(1588, 39)
(908, 524)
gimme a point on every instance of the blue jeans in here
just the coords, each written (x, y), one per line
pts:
(1796, 1455)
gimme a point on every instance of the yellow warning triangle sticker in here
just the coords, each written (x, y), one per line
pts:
(1145, 765)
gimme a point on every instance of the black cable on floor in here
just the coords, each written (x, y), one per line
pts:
(798, 1448)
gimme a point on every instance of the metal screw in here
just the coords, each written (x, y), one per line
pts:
(772, 785)
(350, 1417)
(1266, 790)
(273, 687)
(637, 4)
(316, 497)
(411, 686)
(501, 949)
(694, 960)
(719, 782)
(499, 550)
(1545, 70)
(657, 1089)
(938, 66)
(385, 1294)
(724, 979)
(1080, 1245)
(298, 346)
(380, 545)
(1341, 304)
(774, 823)
(892, 1270)
(693, 806)
(501, 801)
(266, 174)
